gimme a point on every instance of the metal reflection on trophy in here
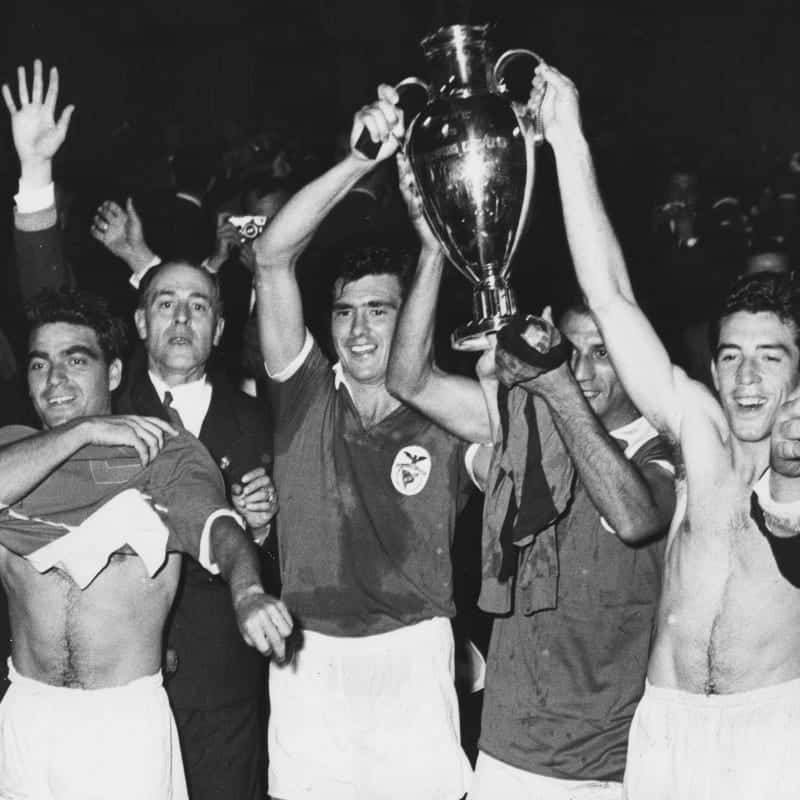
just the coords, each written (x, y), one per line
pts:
(473, 159)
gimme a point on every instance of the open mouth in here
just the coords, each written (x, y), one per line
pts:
(62, 400)
(750, 403)
(361, 350)
(180, 341)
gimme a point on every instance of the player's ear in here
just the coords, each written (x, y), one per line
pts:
(114, 374)
(714, 375)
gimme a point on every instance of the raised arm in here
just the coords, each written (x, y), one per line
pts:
(637, 502)
(279, 306)
(37, 138)
(121, 232)
(454, 402)
(639, 357)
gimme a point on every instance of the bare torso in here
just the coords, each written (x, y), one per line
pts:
(105, 635)
(727, 620)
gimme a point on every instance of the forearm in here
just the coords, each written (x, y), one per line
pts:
(616, 486)
(411, 360)
(595, 250)
(289, 233)
(26, 463)
(237, 558)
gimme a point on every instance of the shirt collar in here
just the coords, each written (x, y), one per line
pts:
(183, 391)
(634, 434)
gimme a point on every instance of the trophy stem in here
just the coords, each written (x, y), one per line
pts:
(493, 306)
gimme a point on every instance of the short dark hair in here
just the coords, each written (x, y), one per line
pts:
(76, 307)
(777, 293)
(154, 272)
(357, 261)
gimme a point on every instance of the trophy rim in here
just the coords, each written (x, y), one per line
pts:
(447, 34)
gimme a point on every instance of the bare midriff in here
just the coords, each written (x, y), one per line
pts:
(105, 635)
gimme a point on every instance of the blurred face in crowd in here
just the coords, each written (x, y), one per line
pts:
(755, 368)
(68, 377)
(179, 322)
(363, 320)
(268, 205)
(594, 373)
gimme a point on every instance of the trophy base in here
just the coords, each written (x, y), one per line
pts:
(474, 335)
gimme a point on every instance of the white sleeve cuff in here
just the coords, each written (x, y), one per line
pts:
(204, 554)
(790, 512)
(295, 363)
(137, 277)
(469, 461)
(30, 200)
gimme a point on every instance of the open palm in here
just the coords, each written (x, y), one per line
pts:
(37, 135)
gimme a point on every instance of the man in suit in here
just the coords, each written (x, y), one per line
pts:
(217, 689)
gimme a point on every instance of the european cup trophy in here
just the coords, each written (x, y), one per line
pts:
(473, 160)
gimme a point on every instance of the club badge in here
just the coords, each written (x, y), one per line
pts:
(410, 470)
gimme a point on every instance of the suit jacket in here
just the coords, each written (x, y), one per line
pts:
(215, 667)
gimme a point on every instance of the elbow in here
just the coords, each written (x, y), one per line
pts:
(641, 531)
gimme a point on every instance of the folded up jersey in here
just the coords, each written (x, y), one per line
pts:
(102, 500)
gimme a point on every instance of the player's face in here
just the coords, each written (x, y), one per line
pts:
(362, 325)
(593, 370)
(755, 368)
(68, 377)
(179, 323)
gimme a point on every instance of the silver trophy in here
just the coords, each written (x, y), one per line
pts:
(473, 159)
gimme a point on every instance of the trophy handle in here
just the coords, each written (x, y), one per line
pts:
(410, 109)
(500, 68)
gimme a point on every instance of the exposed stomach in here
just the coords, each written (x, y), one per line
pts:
(105, 635)
(727, 621)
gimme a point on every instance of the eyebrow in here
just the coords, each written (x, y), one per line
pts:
(76, 349)
(339, 305)
(776, 346)
(172, 293)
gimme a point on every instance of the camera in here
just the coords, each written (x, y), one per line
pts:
(248, 226)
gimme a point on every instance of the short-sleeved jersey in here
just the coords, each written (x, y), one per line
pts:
(562, 684)
(367, 513)
(182, 483)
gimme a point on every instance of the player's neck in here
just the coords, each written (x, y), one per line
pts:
(750, 459)
(372, 402)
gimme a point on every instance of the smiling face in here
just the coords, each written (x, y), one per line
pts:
(755, 368)
(178, 323)
(593, 370)
(68, 377)
(363, 320)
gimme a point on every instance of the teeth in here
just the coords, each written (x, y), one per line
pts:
(750, 402)
(59, 401)
(363, 348)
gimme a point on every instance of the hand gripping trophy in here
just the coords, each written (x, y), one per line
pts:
(473, 158)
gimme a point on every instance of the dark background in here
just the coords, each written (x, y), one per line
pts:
(657, 80)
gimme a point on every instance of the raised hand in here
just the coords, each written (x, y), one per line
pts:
(413, 201)
(255, 498)
(383, 119)
(264, 622)
(120, 231)
(227, 242)
(540, 350)
(36, 133)
(555, 98)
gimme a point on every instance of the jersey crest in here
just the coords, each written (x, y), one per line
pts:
(410, 469)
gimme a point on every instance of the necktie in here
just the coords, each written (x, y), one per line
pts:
(172, 413)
